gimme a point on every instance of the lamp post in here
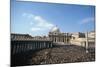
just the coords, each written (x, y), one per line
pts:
(86, 42)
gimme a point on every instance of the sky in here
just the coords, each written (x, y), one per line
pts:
(38, 18)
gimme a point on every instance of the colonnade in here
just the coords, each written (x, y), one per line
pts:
(22, 46)
(60, 39)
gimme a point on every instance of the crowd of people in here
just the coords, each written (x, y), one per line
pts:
(55, 55)
(66, 54)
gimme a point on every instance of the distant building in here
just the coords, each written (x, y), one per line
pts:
(58, 37)
(80, 39)
(77, 38)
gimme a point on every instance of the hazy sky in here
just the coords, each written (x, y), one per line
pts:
(37, 18)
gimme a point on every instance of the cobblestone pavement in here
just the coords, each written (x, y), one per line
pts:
(66, 54)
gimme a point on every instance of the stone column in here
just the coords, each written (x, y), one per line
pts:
(44, 44)
(56, 39)
(14, 49)
(28, 46)
(61, 39)
(40, 45)
(65, 39)
(20, 48)
(35, 45)
(25, 48)
(51, 44)
(17, 48)
(47, 45)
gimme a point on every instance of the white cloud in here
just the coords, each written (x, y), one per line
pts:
(38, 23)
(42, 22)
(28, 15)
(35, 29)
(87, 20)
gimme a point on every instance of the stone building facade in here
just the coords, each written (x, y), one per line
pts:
(86, 40)
(58, 37)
